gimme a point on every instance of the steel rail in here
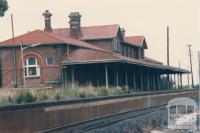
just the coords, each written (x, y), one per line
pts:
(103, 124)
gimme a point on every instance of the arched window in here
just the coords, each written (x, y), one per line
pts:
(31, 67)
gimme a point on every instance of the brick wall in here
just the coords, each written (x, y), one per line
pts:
(45, 117)
(48, 73)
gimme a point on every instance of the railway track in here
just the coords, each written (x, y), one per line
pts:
(103, 121)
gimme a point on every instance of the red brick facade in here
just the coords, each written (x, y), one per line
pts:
(48, 73)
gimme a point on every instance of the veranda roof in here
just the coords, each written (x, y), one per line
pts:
(90, 56)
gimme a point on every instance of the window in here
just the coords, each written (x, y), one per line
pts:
(31, 67)
(133, 53)
(122, 50)
(142, 53)
(190, 109)
(125, 50)
(137, 53)
(116, 46)
(129, 51)
(172, 110)
(49, 61)
(181, 109)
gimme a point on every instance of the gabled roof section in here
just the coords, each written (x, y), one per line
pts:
(43, 37)
(92, 32)
(120, 35)
(137, 41)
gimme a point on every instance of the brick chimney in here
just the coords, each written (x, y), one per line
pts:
(75, 25)
(47, 19)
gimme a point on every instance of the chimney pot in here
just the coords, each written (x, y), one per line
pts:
(75, 24)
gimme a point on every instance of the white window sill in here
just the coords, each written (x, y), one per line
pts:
(32, 76)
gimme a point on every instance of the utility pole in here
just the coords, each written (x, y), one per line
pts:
(167, 45)
(199, 67)
(190, 55)
(13, 33)
(199, 86)
(179, 65)
(188, 78)
(14, 53)
(168, 51)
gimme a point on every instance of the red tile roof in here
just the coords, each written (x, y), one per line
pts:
(135, 40)
(39, 36)
(100, 32)
(141, 62)
(153, 64)
(80, 55)
(92, 32)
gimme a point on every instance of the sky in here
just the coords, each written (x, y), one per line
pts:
(139, 17)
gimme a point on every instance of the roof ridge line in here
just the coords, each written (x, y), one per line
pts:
(89, 26)
(135, 36)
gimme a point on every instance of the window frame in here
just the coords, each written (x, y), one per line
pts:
(116, 46)
(47, 60)
(27, 67)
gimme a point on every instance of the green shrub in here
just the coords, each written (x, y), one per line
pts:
(102, 92)
(90, 95)
(156, 122)
(10, 100)
(117, 91)
(71, 92)
(5, 102)
(25, 97)
(126, 90)
(42, 97)
(82, 95)
(57, 96)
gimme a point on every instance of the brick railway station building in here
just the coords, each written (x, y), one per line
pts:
(80, 56)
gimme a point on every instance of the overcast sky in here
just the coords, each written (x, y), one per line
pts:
(139, 17)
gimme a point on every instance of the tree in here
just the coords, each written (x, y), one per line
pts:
(3, 7)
